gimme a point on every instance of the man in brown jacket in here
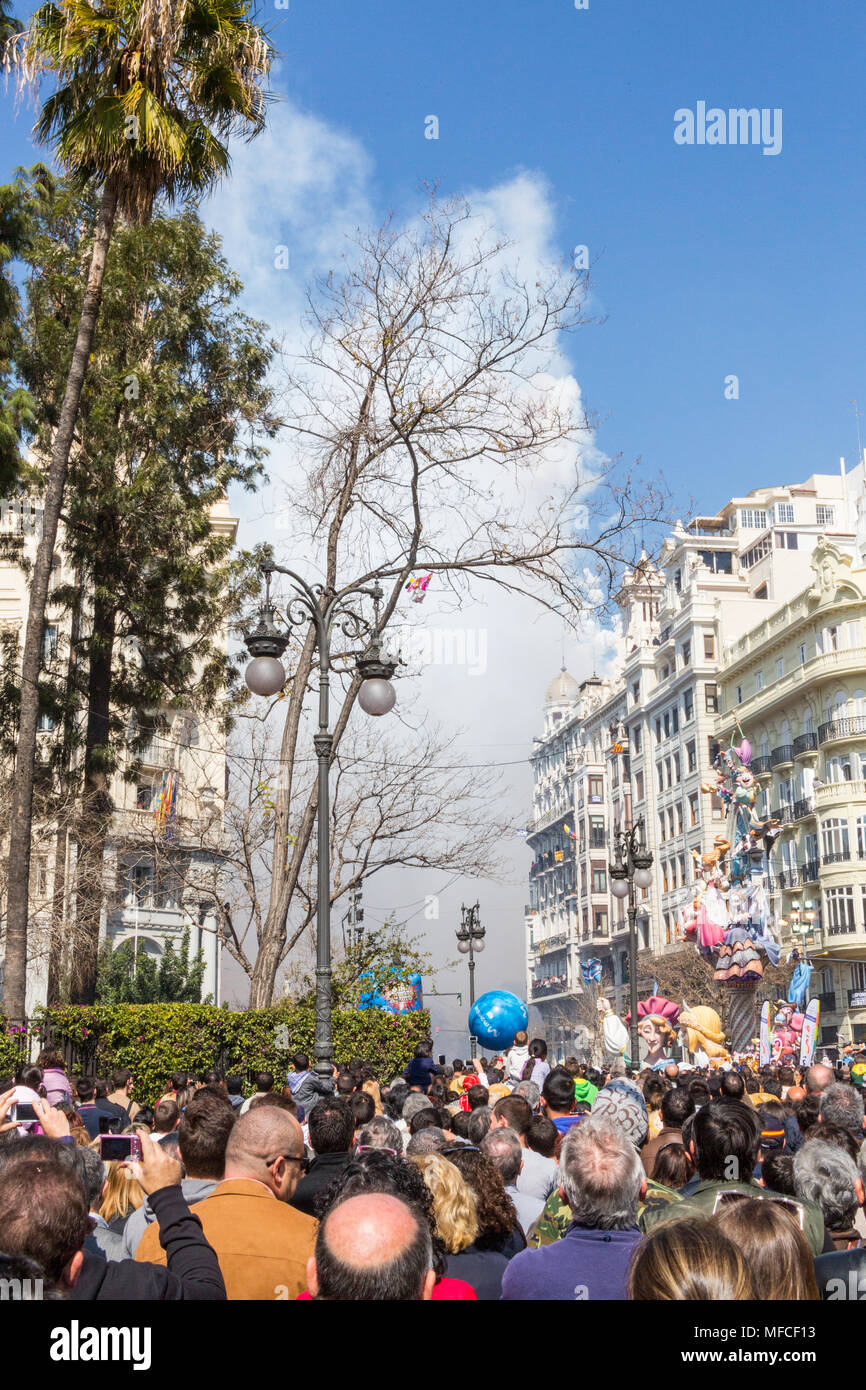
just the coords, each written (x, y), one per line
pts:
(261, 1242)
(677, 1105)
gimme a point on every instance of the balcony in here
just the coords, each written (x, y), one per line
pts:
(781, 757)
(805, 743)
(597, 840)
(832, 792)
(842, 929)
(548, 818)
(761, 766)
(803, 808)
(782, 814)
(854, 727)
(789, 879)
(809, 871)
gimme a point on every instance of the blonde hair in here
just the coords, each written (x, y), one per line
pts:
(120, 1195)
(455, 1206)
(688, 1260)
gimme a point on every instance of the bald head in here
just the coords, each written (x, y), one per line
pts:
(795, 1093)
(372, 1248)
(817, 1078)
(264, 1147)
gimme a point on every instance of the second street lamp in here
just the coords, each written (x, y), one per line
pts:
(266, 675)
(470, 940)
(631, 868)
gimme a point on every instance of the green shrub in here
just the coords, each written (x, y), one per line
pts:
(154, 1040)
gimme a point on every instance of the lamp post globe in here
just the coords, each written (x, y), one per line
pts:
(643, 878)
(463, 947)
(477, 944)
(376, 696)
(265, 675)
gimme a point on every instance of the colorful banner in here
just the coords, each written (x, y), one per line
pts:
(765, 1044)
(398, 996)
(809, 1035)
(166, 807)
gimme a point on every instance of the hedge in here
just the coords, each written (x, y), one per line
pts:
(154, 1040)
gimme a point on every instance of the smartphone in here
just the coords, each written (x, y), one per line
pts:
(441, 1059)
(119, 1148)
(23, 1113)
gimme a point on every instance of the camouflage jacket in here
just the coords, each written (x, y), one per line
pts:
(555, 1220)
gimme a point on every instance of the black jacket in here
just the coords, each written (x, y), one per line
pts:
(323, 1170)
(192, 1271)
(841, 1277)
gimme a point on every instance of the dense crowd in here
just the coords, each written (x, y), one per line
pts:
(507, 1179)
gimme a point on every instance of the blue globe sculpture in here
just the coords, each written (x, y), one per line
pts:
(495, 1017)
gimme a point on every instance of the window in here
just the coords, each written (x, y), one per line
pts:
(666, 670)
(667, 725)
(679, 811)
(840, 909)
(662, 835)
(596, 790)
(688, 705)
(712, 750)
(138, 885)
(834, 838)
(755, 553)
(49, 644)
(780, 668)
(694, 816)
(719, 561)
(600, 920)
(678, 581)
(45, 724)
(711, 699)
(42, 876)
(687, 653)
(638, 787)
(785, 540)
(691, 756)
(658, 731)
(759, 681)
(801, 653)
(753, 518)
(660, 776)
(668, 776)
(145, 796)
(675, 720)
(784, 514)
(599, 880)
(676, 767)
(861, 837)
(670, 823)
(635, 738)
(665, 876)
(739, 694)
(853, 633)
(683, 875)
(709, 646)
(761, 593)
(717, 808)
(825, 516)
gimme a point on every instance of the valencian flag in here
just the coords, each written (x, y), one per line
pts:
(166, 806)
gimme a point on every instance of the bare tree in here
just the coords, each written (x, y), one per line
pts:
(432, 436)
(394, 803)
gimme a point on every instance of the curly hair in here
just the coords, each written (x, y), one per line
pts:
(377, 1171)
(455, 1206)
(497, 1216)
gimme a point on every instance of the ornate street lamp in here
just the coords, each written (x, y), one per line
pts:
(470, 940)
(631, 868)
(266, 675)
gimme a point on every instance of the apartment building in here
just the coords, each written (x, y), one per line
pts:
(796, 683)
(164, 848)
(640, 743)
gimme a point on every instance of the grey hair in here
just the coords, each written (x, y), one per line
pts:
(415, 1101)
(91, 1171)
(381, 1133)
(502, 1146)
(480, 1121)
(427, 1141)
(861, 1162)
(530, 1092)
(826, 1174)
(842, 1105)
(601, 1175)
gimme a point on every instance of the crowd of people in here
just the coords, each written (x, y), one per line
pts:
(509, 1179)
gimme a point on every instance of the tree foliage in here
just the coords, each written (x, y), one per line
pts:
(127, 977)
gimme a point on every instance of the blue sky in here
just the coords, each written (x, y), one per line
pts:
(707, 261)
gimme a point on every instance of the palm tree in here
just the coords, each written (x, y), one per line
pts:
(146, 96)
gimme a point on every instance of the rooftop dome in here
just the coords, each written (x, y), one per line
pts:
(563, 690)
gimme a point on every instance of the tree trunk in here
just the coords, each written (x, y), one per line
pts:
(22, 793)
(57, 955)
(96, 806)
